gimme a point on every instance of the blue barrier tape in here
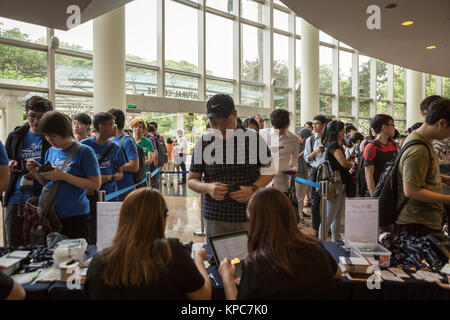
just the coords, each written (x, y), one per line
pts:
(309, 183)
(118, 193)
(155, 172)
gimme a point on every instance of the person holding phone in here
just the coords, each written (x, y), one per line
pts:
(23, 144)
(82, 173)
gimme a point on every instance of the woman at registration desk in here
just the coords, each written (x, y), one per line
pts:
(282, 262)
(141, 263)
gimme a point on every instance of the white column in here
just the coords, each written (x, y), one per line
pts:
(414, 96)
(109, 61)
(3, 132)
(179, 123)
(309, 72)
(14, 115)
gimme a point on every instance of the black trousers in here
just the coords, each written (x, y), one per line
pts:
(183, 166)
(76, 227)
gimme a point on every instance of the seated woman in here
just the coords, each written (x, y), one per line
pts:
(141, 263)
(282, 262)
(80, 173)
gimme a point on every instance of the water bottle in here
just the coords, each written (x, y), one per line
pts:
(26, 189)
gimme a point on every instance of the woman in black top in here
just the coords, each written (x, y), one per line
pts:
(282, 262)
(141, 263)
(332, 139)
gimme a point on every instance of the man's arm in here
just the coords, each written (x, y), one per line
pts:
(132, 166)
(308, 150)
(423, 195)
(216, 190)
(368, 171)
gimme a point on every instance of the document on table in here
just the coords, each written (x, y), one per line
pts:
(107, 221)
(361, 220)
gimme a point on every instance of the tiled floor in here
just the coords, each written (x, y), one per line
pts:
(184, 214)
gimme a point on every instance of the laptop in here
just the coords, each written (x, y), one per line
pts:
(231, 246)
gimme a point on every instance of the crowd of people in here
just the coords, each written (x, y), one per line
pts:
(249, 186)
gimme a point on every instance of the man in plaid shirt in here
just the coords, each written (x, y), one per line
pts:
(231, 162)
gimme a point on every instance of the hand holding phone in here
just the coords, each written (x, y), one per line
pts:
(46, 168)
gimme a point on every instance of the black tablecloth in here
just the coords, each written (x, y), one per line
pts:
(349, 290)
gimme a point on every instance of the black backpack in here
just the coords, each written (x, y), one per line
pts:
(140, 174)
(162, 152)
(387, 189)
(361, 185)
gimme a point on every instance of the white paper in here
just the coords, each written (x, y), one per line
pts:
(399, 272)
(361, 220)
(107, 221)
(446, 269)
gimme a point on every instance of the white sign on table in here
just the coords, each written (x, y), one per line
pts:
(107, 221)
(361, 220)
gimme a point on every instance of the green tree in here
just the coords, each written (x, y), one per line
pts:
(325, 78)
(446, 87)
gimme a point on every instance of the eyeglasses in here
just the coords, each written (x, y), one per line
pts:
(33, 117)
(391, 124)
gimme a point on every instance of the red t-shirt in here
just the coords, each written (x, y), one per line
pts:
(378, 155)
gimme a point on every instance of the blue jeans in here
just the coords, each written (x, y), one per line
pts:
(335, 211)
(315, 202)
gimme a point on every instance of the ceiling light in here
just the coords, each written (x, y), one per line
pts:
(391, 6)
(407, 23)
(431, 47)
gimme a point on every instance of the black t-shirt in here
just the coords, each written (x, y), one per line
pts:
(315, 269)
(335, 165)
(182, 277)
(378, 155)
(6, 285)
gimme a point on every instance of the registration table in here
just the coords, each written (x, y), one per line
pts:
(347, 289)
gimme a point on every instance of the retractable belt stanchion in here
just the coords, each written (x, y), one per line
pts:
(201, 232)
(323, 210)
(101, 195)
(149, 179)
(159, 177)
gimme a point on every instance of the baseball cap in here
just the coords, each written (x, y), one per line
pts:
(305, 133)
(219, 106)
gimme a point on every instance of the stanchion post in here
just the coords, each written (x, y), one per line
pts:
(101, 195)
(149, 179)
(201, 232)
(323, 210)
(160, 180)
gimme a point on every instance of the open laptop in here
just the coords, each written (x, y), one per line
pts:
(230, 245)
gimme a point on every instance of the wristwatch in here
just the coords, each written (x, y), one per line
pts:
(254, 187)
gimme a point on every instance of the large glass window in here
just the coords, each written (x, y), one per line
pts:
(280, 20)
(219, 46)
(364, 108)
(280, 99)
(364, 76)
(298, 25)
(252, 95)
(399, 83)
(364, 126)
(222, 5)
(214, 87)
(252, 53)
(23, 66)
(22, 31)
(74, 74)
(399, 111)
(72, 105)
(381, 80)
(298, 61)
(251, 10)
(325, 106)
(325, 37)
(345, 106)
(382, 107)
(446, 87)
(280, 60)
(325, 69)
(79, 38)
(431, 85)
(141, 29)
(141, 81)
(345, 73)
(181, 37)
(181, 86)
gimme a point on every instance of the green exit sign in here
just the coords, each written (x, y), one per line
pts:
(132, 106)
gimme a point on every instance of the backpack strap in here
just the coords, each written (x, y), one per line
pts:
(397, 161)
(106, 154)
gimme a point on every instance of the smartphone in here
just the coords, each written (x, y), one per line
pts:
(233, 188)
(289, 172)
(46, 168)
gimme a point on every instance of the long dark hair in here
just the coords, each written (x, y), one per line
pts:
(273, 231)
(331, 131)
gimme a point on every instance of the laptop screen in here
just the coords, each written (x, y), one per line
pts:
(230, 246)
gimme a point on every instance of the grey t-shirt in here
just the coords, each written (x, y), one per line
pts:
(302, 170)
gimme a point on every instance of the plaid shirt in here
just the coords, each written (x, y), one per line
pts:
(241, 173)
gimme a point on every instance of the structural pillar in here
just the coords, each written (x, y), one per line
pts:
(309, 72)
(3, 132)
(14, 115)
(414, 96)
(179, 123)
(109, 61)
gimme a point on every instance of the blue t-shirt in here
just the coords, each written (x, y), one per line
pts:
(3, 155)
(131, 152)
(32, 150)
(109, 166)
(69, 200)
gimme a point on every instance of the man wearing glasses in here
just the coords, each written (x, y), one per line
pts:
(23, 144)
(380, 151)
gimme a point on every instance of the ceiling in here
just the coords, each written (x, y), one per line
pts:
(346, 20)
(53, 13)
